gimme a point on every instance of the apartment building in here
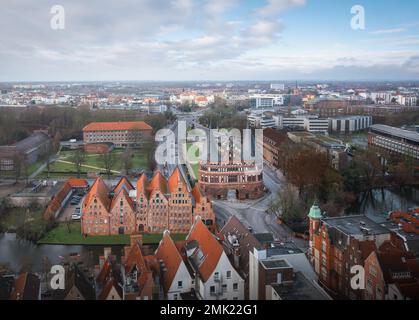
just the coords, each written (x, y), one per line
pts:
(272, 140)
(199, 265)
(330, 240)
(121, 134)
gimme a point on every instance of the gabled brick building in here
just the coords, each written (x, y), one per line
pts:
(153, 206)
(391, 274)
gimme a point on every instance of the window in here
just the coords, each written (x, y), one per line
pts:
(217, 275)
(212, 289)
(228, 274)
(235, 286)
(175, 297)
(180, 284)
(224, 287)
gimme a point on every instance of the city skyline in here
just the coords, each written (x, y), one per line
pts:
(209, 41)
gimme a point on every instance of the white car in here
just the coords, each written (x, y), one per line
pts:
(75, 217)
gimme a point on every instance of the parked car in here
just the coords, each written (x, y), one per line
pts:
(75, 217)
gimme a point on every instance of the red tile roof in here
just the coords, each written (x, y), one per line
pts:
(26, 287)
(210, 247)
(196, 192)
(168, 252)
(137, 260)
(113, 126)
(174, 180)
(158, 183)
(101, 191)
(57, 201)
(78, 183)
(124, 194)
(124, 182)
(111, 283)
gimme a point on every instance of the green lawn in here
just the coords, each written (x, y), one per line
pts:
(195, 167)
(16, 217)
(139, 161)
(61, 235)
(31, 169)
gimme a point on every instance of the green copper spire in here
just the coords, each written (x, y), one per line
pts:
(315, 212)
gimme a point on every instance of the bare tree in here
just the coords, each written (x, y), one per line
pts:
(127, 160)
(78, 158)
(108, 161)
(18, 164)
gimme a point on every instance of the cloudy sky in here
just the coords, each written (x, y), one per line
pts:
(208, 40)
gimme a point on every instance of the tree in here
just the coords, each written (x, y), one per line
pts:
(127, 160)
(18, 164)
(78, 158)
(287, 205)
(108, 161)
(56, 141)
(148, 149)
(49, 153)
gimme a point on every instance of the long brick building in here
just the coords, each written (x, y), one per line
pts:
(152, 206)
(121, 134)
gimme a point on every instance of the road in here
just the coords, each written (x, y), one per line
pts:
(253, 213)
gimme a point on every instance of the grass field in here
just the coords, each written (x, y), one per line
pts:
(31, 169)
(195, 167)
(94, 163)
(61, 235)
(17, 217)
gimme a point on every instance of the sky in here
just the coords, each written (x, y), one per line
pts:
(223, 40)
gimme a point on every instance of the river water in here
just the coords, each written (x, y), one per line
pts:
(17, 253)
(380, 202)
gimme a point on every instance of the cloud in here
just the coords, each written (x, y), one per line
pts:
(388, 31)
(170, 40)
(275, 7)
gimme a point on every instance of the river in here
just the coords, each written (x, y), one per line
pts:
(380, 202)
(18, 253)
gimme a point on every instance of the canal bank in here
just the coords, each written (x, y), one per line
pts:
(377, 203)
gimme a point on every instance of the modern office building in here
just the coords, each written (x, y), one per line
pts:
(394, 140)
(261, 121)
(348, 124)
(266, 101)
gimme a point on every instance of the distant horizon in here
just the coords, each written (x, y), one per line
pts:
(316, 81)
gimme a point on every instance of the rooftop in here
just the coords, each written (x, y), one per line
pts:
(355, 225)
(300, 289)
(275, 264)
(396, 132)
(113, 126)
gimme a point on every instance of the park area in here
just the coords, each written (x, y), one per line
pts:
(193, 157)
(94, 163)
(27, 223)
(70, 234)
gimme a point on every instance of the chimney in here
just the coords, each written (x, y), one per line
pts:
(107, 252)
(136, 238)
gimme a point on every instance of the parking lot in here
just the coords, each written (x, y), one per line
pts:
(69, 210)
